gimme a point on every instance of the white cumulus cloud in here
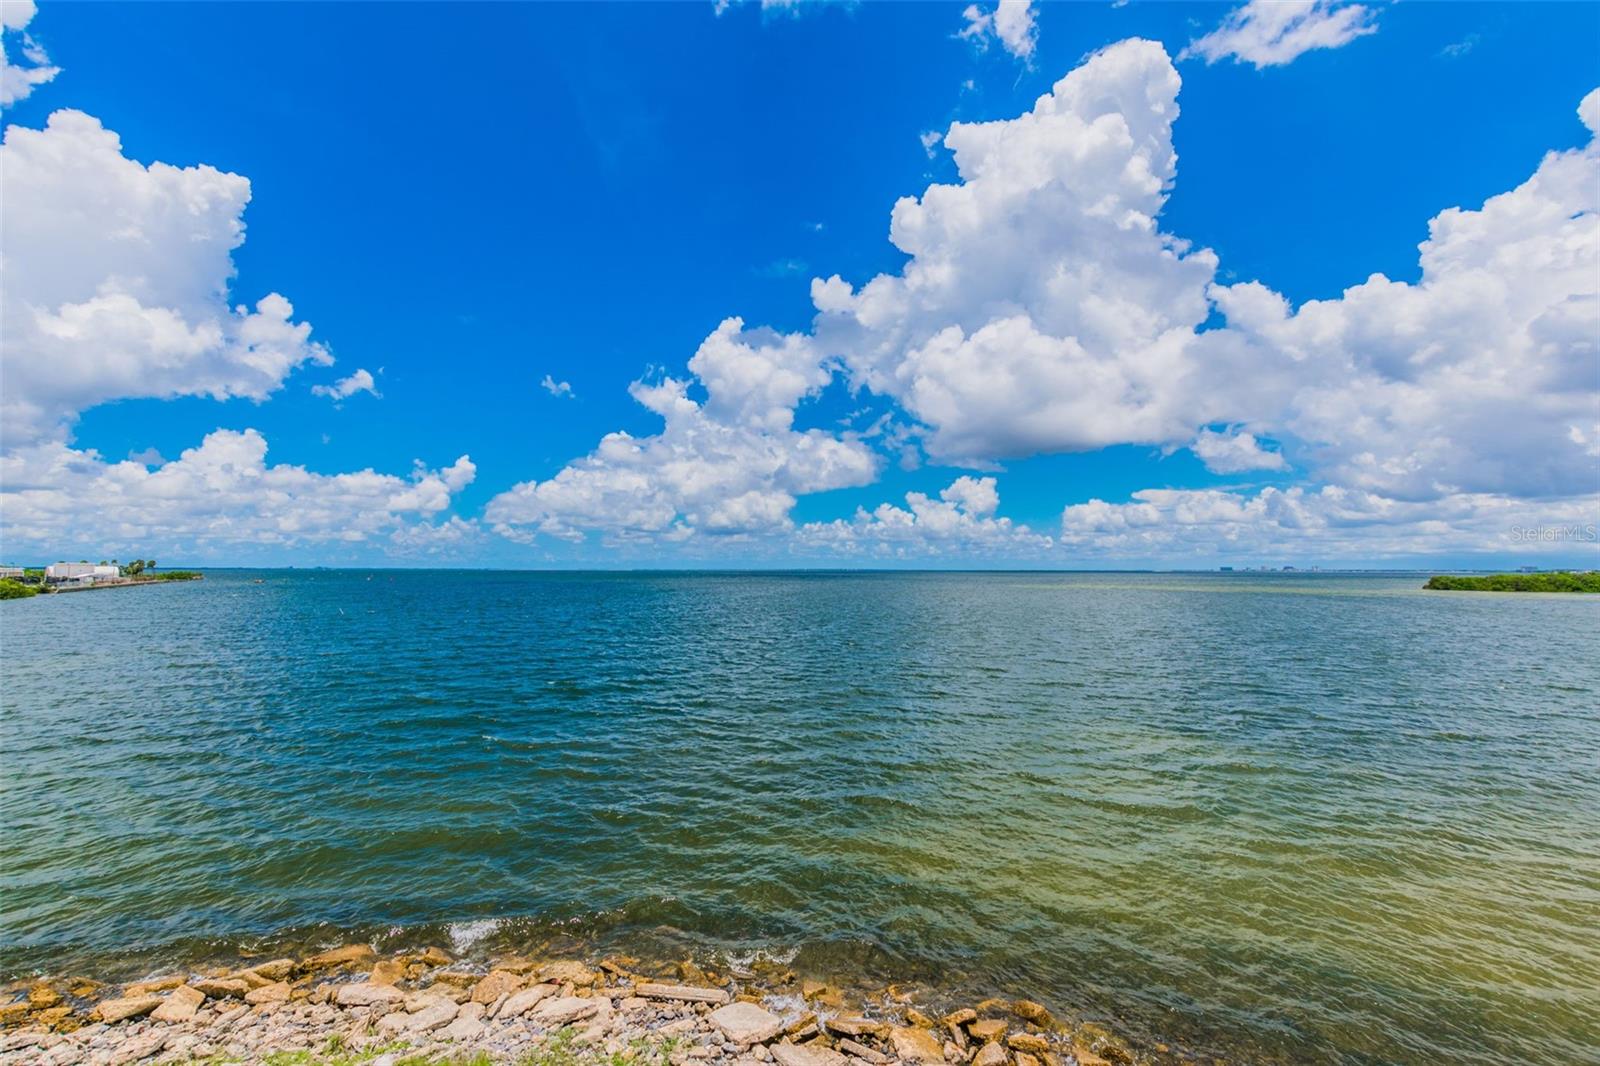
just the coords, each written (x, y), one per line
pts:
(1235, 451)
(1042, 309)
(961, 520)
(115, 286)
(18, 80)
(1011, 22)
(556, 388)
(1270, 33)
(1330, 523)
(219, 494)
(344, 388)
(732, 464)
(1483, 377)
(116, 280)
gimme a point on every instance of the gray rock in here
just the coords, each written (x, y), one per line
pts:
(787, 1054)
(684, 993)
(117, 1010)
(746, 1023)
(365, 994)
(520, 1002)
(565, 1011)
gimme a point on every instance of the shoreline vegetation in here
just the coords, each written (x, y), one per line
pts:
(12, 589)
(1555, 581)
(350, 1005)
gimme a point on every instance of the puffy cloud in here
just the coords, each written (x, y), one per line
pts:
(344, 388)
(1235, 451)
(1483, 377)
(1042, 309)
(1270, 33)
(17, 81)
(116, 280)
(1332, 523)
(962, 520)
(732, 464)
(222, 493)
(1010, 22)
(556, 388)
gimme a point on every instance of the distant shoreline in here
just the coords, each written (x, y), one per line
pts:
(1554, 581)
(162, 579)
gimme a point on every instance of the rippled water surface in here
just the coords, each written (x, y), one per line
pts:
(1308, 818)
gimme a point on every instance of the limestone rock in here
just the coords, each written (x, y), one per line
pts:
(746, 1023)
(856, 1025)
(433, 1015)
(987, 1029)
(919, 1019)
(1034, 1045)
(991, 1054)
(433, 957)
(461, 978)
(686, 993)
(251, 979)
(275, 970)
(140, 1047)
(180, 1005)
(497, 984)
(861, 1051)
(42, 997)
(154, 984)
(61, 1019)
(1029, 1011)
(220, 987)
(960, 1017)
(365, 994)
(520, 965)
(1025, 1059)
(468, 1024)
(387, 971)
(348, 955)
(117, 1010)
(520, 1002)
(565, 1010)
(787, 1054)
(566, 971)
(915, 1045)
(277, 992)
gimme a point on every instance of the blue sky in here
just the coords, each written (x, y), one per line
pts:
(462, 200)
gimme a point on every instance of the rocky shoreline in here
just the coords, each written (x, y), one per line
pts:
(350, 1005)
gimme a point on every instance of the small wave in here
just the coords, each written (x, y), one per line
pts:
(776, 956)
(465, 934)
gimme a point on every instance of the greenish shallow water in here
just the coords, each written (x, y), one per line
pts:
(1314, 818)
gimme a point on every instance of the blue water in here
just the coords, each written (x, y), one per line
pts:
(1307, 818)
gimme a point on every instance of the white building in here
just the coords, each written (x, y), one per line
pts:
(84, 573)
(12, 572)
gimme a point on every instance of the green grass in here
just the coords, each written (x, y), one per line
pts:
(15, 590)
(1557, 581)
(171, 575)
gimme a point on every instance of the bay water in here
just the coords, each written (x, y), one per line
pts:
(1317, 818)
